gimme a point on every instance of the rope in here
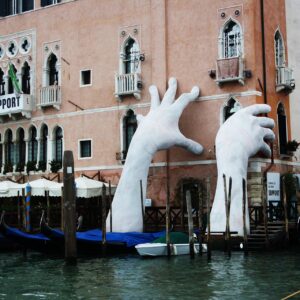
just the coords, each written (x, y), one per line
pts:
(291, 295)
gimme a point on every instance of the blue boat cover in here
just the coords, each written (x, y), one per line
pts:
(14, 232)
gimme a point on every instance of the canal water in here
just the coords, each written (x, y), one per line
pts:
(258, 276)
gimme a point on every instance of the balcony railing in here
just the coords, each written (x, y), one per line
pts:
(284, 79)
(50, 96)
(13, 104)
(128, 84)
(230, 69)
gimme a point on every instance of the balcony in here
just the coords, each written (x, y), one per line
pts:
(12, 105)
(128, 84)
(230, 69)
(50, 96)
(284, 79)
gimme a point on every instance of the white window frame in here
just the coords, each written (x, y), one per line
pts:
(80, 78)
(283, 48)
(79, 149)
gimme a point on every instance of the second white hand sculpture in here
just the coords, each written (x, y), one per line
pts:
(156, 131)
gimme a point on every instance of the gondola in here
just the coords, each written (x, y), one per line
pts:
(90, 242)
(35, 241)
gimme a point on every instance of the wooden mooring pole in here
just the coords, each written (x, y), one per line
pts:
(142, 204)
(286, 218)
(110, 205)
(69, 195)
(19, 210)
(227, 211)
(245, 246)
(168, 240)
(190, 223)
(265, 213)
(48, 206)
(103, 210)
(200, 218)
(208, 217)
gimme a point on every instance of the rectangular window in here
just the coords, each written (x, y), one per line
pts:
(12, 7)
(85, 77)
(85, 149)
(49, 2)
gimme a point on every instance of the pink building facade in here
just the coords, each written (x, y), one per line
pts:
(85, 66)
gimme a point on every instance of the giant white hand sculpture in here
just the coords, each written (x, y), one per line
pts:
(156, 131)
(240, 137)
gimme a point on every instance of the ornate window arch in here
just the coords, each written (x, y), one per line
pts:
(279, 49)
(282, 128)
(130, 57)
(10, 84)
(2, 83)
(58, 144)
(229, 108)
(20, 148)
(32, 144)
(51, 74)
(230, 40)
(43, 143)
(9, 147)
(25, 75)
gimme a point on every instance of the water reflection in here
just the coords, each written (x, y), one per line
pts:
(259, 276)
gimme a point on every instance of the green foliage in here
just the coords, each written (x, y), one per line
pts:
(292, 145)
(42, 166)
(290, 183)
(31, 166)
(20, 167)
(55, 166)
(8, 167)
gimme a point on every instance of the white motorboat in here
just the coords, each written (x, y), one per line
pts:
(160, 249)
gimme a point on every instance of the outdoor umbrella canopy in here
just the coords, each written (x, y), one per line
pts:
(10, 189)
(88, 188)
(40, 186)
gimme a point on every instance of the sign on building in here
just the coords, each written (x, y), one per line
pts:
(273, 186)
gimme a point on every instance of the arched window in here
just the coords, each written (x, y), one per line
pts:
(279, 50)
(58, 144)
(26, 79)
(129, 128)
(9, 148)
(43, 143)
(21, 148)
(231, 107)
(52, 70)
(32, 145)
(2, 83)
(282, 128)
(131, 56)
(10, 84)
(231, 40)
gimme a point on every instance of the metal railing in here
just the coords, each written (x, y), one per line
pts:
(126, 84)
(230, 69)
(284, 76)
(50, 96)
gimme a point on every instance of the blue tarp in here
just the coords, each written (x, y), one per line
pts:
(14, 232)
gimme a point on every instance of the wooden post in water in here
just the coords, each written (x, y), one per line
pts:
(62, 222)
(69, 195)
(110, 205)
(286, 219)
(24, 205)
(168, 207)
(190, 223)
(182, 206)
(103, 209)
(227, 211)
(48, 206)
(142, 204)
(265, 214)
(244, 219)
(19, 210)
(200, 217)
(208, 218)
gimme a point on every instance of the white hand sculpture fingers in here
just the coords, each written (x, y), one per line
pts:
(189, 145)
(257, 109)
(183, 101)
(265, 149)
(266, 122)
(139, 118)
(269, 134)
(170, 93)
(155, 102)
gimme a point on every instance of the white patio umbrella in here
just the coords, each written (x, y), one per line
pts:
(88, 188)
(10, 189)
(40, 186)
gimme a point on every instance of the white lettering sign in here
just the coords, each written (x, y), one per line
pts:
(273, 186)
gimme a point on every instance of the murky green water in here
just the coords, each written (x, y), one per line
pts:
(258, 276)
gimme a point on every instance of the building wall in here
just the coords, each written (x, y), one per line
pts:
(179, 38)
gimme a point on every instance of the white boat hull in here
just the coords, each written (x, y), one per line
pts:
(160, 249)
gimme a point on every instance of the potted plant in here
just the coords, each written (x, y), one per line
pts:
(42, 166)
(292, 146)
(20, 167)
(31, 166)
(8, 167)
(55, 166)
